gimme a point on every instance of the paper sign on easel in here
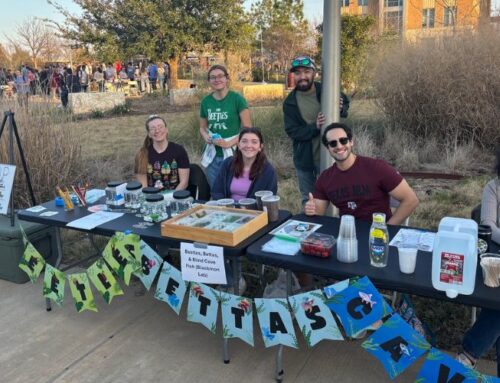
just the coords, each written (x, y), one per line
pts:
(202, 263)
(7, 173)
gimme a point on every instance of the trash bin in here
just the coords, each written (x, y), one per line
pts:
(12, 246)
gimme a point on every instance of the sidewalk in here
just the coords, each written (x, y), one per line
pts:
(140, 339)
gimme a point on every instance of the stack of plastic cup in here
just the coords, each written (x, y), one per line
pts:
(347, 243)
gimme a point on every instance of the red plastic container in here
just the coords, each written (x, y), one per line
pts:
(317, 244)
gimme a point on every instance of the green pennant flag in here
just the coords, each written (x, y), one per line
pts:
(103, 280)
(53, 284)
(80, 289)
(129, 243)
(121, 261)
(25, 237)
(31, 262)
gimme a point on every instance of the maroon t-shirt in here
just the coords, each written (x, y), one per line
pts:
(361, 190)
(163, 168)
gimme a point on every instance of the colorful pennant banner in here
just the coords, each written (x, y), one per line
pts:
(356, 302)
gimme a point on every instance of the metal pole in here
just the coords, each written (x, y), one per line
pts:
(330, 78)
(262, 55)
(11, 161)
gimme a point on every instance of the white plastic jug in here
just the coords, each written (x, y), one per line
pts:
(454, 259)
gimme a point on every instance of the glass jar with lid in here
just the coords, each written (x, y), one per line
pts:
(181, 202)
(114, 199)
(154, 208)
(133, 195)
(149, 190)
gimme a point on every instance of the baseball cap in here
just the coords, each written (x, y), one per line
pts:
(302, 61)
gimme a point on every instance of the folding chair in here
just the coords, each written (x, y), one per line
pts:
(198, 185)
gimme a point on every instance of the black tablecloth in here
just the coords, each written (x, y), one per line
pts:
(127, 222)
(419, 283)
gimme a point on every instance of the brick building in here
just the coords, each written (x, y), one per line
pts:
(419, 19)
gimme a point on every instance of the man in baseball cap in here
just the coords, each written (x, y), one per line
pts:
(302, 62)
(303, 122)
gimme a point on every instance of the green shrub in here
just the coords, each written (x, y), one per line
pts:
(97, 113)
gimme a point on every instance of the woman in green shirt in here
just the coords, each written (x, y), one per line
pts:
(222, 114)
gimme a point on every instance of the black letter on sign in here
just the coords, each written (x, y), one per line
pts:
(354, 304)
(238, 314)
(319, 321)
(444, 371)
(116, 255)
(32, 263)
(54, 284)
(130, 248)
(104, 280)
(276, 323)
(393, 346)
(81, 289)
(171, 286)
(145, 268)
(205, 302)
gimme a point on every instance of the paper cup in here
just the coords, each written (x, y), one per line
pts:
(270, 203)
(490, 264)
(407, 259)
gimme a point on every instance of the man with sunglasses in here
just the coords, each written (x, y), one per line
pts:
(358, 185)
(303, 122)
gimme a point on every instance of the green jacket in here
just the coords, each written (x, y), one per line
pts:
(302, 133)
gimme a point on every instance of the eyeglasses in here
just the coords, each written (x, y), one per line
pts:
(306, 61)
(218, 77)
(342, 140)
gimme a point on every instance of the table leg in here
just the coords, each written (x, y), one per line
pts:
(58, 249)
(289, 291)
(278, 375)
(235, 263)
(226, 351)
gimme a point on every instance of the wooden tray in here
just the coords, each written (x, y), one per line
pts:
(191, 224)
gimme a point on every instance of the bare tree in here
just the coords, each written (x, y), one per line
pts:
(32, 35)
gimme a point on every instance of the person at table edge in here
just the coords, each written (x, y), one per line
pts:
(248, 171)
(358, 185)
(159, 162)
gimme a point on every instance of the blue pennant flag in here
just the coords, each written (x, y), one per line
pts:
(150, 265)
(396, 345)
(203, 305)
(171, 288)
(358, 306)
(275, 322)
(314, 317)
(336, 288)
(440, 368)
(237, 318)
(489, 379)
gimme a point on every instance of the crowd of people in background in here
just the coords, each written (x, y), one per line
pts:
(58, 80)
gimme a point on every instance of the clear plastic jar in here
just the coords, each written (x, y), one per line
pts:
(154, 208)
(133, 195)
(182, 201)
(113, 198)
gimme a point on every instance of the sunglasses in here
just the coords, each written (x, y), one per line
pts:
(301, 61)
(342, 140)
